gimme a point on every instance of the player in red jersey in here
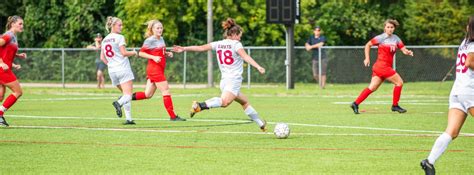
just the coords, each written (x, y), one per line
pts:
(387, 43)
(8, 52)
(154, 49)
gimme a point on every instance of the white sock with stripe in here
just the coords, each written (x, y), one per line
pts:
(252, 113)
(215, 102)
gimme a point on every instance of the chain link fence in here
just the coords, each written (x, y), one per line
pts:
(345, 65)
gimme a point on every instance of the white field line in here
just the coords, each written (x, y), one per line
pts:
(246, 121)
(389, 102)
(228, 132)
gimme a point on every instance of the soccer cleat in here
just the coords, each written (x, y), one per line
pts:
(3, 122)
(129, 122)
(118, 108)
(264, 126)
(398, 109)
(355, 108)
(177, 119)
(428, 167)
(195, 108)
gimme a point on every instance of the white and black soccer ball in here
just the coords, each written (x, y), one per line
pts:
(281, 131)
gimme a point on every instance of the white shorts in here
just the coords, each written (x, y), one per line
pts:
(231, 85)
(462, 102)
(121, 77)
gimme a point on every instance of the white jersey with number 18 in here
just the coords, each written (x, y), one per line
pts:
(230, 62)
(464, 83)
(111, 49)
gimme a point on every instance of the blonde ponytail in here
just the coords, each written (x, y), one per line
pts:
(11, 20)
(149, 29)
(111, 20)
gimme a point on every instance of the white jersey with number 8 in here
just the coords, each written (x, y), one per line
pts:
(464, 83)
(230, 62)
(111, 49)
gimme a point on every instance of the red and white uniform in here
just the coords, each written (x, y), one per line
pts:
(7, 54)
(156, 47)
(387, 46)
(462, 93)
(230, 64)
(118, 65)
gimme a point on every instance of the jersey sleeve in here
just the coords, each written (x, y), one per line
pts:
(238, 46)
(323, 39)
(376, 40)
(214, 45)
(400, 43)
(309, 40)
(470, 47)
(146, 47)
(7, 38)
(121, 41)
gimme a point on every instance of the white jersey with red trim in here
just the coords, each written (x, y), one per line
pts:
(230, 62)
(464, 83)
(111, 49)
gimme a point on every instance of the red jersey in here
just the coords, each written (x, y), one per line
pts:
(156, 47)
(8, 51)
(387, 48)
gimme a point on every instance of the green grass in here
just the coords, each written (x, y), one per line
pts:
(75, 131)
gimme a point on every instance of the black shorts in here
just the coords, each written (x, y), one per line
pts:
(100, 66)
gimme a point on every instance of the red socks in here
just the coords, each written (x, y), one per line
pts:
(138, 96)
(169, 106)
(397, 91)
(11, 99)
(363, 95)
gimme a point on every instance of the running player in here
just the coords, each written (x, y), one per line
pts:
(461, 99)
(8, 52)
(387, 43)
(114, 54)
(230, 57)
(154, 49)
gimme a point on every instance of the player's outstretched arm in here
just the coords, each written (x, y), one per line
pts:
(406, 51)
(156, 59)
(470, 61)
(201, 48)
(126, 53)
(21, 55)
(250, 60)
(367, 54)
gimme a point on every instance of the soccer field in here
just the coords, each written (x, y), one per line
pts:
(55, 130)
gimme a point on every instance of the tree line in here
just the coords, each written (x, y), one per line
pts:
(74, 23)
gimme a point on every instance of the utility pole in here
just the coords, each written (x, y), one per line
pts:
(210, 77)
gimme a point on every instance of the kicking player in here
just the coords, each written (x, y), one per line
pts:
(114, 54)
(154, 49)
(387, 43)
(461, 99)
(230, 57)
(8, 52)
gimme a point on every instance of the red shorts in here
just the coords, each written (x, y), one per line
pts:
(383, 72)
(7, 77)
(155, 78)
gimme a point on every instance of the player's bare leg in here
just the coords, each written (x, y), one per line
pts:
(456, 119)
(397, 90)
(10, 100)
(250, 111)
(375, 83)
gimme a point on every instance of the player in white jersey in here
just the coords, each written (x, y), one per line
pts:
(230, 57)
(461, 99)
(114, 54)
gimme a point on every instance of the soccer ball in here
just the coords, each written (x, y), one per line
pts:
(281, 131)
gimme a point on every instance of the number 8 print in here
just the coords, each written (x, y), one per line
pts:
(227, 57)
(108, 51)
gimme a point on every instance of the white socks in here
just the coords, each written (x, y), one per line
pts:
(124, 99)
(250, 111)
(127, 107)
(215, 102)
(439, 147)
